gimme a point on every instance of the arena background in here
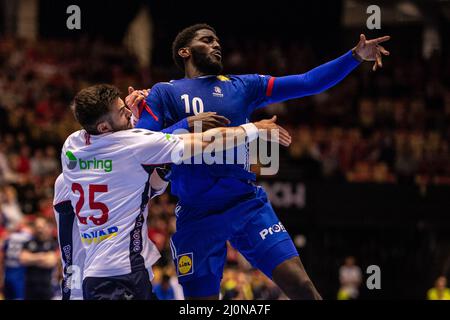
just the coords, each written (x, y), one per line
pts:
(367, 174)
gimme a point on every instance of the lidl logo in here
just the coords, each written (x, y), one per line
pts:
(185, 264)
(91, 164)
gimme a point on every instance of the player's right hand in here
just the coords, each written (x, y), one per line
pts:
(135, 101)
(275, 132)
(207, 120)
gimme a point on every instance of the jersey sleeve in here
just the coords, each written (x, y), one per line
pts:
(152, 114)
(62, 206)
(61, 191)
(154, 148)
(314, 81)
(258, 89)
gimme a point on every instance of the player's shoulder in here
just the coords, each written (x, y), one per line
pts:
(250, 76)
(75, 138)
(76, 134)
(131, 133)
(59, 182)
(132, 137)
(164, 86)
(162, 90)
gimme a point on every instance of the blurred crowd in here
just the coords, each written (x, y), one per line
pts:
(388, 127)
(391, 126)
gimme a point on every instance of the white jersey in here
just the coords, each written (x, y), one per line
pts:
(72, 250)
(108, 179)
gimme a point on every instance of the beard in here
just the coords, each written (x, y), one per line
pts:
(119, 127)
(205, 64)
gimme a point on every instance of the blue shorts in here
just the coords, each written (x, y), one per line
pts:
(199, 247)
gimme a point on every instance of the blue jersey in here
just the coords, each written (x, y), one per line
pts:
(219, 203)
(234, 97)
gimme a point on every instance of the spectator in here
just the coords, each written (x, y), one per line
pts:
(37, 163)
(14, 270)
(440, 290)
(164, 290)
(350, 278)
(10, 207)
(6, 174)
(236, 285)
(40, 257)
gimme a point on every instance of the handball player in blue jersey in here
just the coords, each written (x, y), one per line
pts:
(221, 202)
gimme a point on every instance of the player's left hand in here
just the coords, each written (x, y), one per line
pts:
(274, 132)
(371, 50)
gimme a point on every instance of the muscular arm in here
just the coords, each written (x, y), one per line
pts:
(312, 82)
(328, 74)
(195, 143)
(226, 138)
(155, 149)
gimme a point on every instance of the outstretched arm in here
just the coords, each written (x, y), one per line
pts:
(230, 137)
(327, 75)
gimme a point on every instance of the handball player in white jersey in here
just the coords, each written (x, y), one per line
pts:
(107, 168)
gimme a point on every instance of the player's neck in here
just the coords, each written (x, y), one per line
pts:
(192, 72)
(194, 75)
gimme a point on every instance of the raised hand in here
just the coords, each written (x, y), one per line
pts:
(135, 100)
(371, 50)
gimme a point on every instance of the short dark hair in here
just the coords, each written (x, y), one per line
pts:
(91, 105)
(183, 39)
